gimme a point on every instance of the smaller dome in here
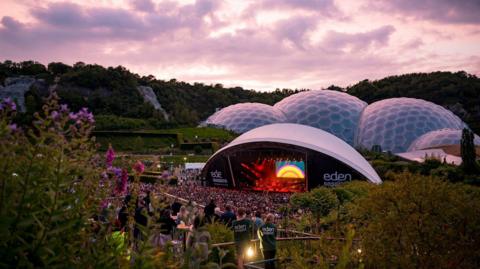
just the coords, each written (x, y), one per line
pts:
(442, 137)
(243, 117)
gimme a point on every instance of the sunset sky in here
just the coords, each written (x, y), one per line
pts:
(262, 45)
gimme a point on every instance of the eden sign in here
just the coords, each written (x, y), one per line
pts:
(336, 178)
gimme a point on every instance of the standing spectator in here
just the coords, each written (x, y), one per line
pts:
(167, 224)
(210, 210)
(182, 216)
(123, 214)
(175, 207)
(242, 232)
(257, 222)
(228, 216)
(141, 220)
(148, 203)
(217, 215)
(267, 235)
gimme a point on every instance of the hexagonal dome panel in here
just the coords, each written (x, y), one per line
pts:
(443, 137)
(243, 117)
(335, 112)
(395, 123)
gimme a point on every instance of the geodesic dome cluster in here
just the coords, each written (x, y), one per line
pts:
(443, 137)
(243, 117)
(335, 112)
(393, 124)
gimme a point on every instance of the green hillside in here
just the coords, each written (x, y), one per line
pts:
(111, 93)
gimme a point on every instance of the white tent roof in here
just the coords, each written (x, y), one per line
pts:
(422, 155)
(311, 138)
(194, 165)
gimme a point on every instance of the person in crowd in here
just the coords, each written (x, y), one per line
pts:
(242, 232)
(257, 222)
(209, 210)
(267, 234)
(183, 216)
(228, 216)
(198, 242)
(217, 214)
(123, 213)
(141, 219)
(176, 207)
(167, 224)
(148, 203)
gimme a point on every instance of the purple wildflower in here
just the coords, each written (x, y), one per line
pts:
(64, 109)
(55, 115)
(13, 127)
(72, 116)
(84, 115)
(117, 172)
(9, 104)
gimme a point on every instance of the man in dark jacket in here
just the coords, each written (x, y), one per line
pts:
(267, 233)
(210, 210)
(228, 216)
(242, 233)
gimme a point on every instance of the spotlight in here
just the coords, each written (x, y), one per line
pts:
(249, 252)
(359, 251)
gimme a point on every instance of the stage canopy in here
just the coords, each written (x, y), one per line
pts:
(306, 153)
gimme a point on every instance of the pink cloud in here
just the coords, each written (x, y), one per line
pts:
(309, 45)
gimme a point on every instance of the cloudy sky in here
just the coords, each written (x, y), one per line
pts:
(264, 44)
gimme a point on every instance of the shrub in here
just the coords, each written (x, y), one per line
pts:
(420, 222)
(49, 192)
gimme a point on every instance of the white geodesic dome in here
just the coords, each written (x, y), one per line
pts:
(442, 137)
(335, 112)
(395, 123)
(243, 117)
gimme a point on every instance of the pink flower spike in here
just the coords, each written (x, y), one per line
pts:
(139, 167)
(110, 156)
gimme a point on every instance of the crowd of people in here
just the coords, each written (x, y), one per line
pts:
(264, 202)
(184, 225)
(178, 214)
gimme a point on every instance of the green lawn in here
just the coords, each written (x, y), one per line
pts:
(202, 133)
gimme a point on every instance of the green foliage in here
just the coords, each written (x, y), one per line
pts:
(320, 201)
(137, 142)
(198, 149)
(221, 234)
(49, 192)
(112, 122)
(469, 163)
(420, 222)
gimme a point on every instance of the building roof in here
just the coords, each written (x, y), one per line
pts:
(310, 138)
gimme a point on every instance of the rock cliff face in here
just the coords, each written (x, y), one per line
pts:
(15, 88)
(150, 97)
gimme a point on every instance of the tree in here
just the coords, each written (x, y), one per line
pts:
(420, 222)
(467, 150)
(320, 201)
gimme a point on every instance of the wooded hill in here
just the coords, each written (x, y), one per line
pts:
(111, 93)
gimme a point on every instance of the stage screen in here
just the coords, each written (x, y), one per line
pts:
(290, 169)
(273, 170)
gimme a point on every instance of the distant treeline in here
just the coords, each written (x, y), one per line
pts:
(112, 91)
